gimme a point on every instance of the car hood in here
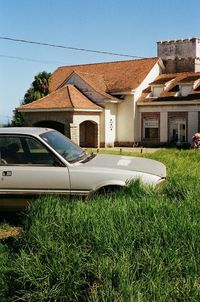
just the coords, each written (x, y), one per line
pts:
(128, 163)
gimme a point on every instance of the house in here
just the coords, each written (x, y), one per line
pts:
(169, 109)
(151, 101)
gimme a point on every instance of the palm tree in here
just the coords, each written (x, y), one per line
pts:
(39, 88)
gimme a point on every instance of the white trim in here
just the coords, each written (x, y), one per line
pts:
(89, 110)
(166, 103)
(186, 84)
(113, 101)
(160, 62)
(109, 102)
(60, 110)
(157, 85)
(132, 91)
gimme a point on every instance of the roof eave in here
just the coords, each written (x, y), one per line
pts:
(59, 109)
(166, 103)
(160, 62)
(126, 92)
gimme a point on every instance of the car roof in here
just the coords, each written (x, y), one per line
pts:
(24, 130)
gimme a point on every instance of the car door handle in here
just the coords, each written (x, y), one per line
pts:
(7, 173)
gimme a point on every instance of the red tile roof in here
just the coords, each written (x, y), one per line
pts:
(162, 80)
(178, 77)
(190, 78)
(170, 91)
(95, 81)
(67, 97)
(118, 76)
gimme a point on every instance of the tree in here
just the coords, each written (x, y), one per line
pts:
(18, 119)
(39, 88)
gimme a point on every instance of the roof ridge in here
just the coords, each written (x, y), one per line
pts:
(46, 96)
(35, 101)
(69, 86)
(70, 97)
(117, 75)
(103, 93)
(73, 87)
(109, 62)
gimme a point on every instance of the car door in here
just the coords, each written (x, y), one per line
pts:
(27, 167)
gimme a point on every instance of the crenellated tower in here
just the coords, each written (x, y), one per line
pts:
(180, 55)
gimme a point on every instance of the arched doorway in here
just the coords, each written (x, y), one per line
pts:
(89, 134)
(51, 124)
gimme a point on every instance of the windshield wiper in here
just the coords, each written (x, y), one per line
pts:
(88, 157)
(78, 158)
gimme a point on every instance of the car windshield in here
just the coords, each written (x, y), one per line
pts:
(66, 148)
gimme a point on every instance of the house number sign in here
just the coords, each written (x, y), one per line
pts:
(111, 124)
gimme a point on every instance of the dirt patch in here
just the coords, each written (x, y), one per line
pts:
(11, 232)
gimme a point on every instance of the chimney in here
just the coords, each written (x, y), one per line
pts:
(180, 55)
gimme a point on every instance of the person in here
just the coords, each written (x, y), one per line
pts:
(3, 155)
(11, 156)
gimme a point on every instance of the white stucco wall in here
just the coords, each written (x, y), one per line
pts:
(155, 71)
(79, 118)
(185, 89)
(157, 90)
(128, 119)
(125, 122)
(110, 123)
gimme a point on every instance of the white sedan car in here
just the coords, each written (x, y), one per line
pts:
(37, 161)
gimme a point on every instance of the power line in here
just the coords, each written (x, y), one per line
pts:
(70, 48)
(65, 47)
(30, 60)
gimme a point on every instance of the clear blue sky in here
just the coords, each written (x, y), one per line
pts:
(122, 26)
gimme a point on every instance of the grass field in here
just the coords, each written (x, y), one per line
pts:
(139, 244)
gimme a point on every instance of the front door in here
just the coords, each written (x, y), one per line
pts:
(178, 129)
(88, 134)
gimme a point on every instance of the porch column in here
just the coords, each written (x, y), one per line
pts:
(163, 127)
(74, 133)
(192, 124)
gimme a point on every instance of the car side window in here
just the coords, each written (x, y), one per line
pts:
(20, 150)
(11, 151)
(38, 154)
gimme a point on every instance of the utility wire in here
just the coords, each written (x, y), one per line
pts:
(65, 47)
(70, 48)
(30, 60)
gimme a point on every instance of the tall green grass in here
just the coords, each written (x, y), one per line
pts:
(4, 272)
(138, 244)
